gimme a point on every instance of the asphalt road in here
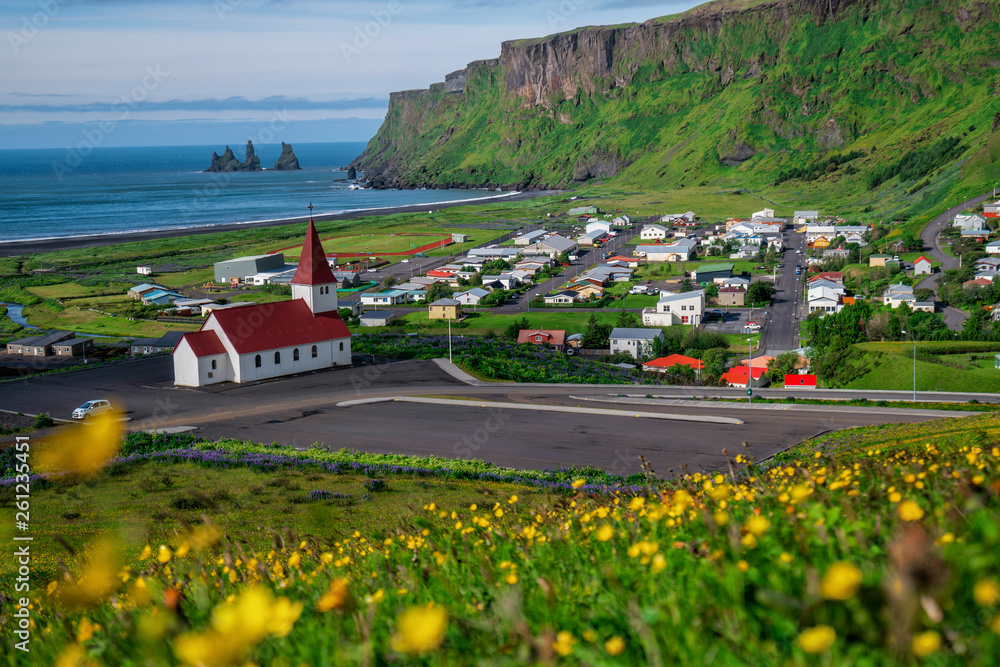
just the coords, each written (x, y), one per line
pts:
(302, 410)
(781, 328)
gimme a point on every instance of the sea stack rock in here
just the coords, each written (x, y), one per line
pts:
(352, 173)
(287, 160)
(252, 163)
(227, 162)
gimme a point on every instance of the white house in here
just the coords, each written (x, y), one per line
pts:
(386, 298)
(682, 308)
(552, 246)
(622, 221)
(597, 226)
(530, 237)
(825, 299)
(969, 223)
(471, 297)
(637, 342)
(993, 247)
(896, 295)
(144, 270)
(679, 251)
(766, 213)
(804, 217)
(921, 266)
(271, 339)
(591, 238)
(561, 298)
(653, 232)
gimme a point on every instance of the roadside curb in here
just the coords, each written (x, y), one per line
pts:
(496, 405)
(451, 369)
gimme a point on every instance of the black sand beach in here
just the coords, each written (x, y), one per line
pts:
(13, 248)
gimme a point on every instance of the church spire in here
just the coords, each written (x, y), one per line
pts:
(313, 267)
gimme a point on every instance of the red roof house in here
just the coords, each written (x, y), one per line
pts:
(554, 337)
(738, 376)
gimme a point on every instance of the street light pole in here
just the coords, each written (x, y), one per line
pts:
(914, 364)
(449, 340)
(750, 371)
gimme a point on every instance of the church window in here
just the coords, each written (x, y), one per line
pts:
(256, 361)
(295, 354)
(214, 364)
(342, 347)
(315, 352)
(277, 357)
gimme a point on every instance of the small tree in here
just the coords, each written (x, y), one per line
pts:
(760, 292)
(515, 327)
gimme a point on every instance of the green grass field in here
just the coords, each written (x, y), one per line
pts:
(88, 321)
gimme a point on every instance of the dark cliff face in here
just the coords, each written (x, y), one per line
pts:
(228, 161)
(287, 160)
(707, 93)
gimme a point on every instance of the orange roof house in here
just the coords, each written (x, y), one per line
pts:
(663, 363)
(738, 376)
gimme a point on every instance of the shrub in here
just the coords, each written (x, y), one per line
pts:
(376, 485)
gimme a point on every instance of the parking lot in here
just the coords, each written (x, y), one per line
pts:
(734, 321)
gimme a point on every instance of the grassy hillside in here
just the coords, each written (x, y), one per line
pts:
(899, 95)
(877, 545)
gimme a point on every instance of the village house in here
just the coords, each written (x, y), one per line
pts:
(732, 296)
(682, 250)
(921, 266)
(552, 246)
(742, 376)
(470, 297)
(271, 339)
(530, 237)
(663, 364)
(555, 338)
(602, 226)
(680, 308)
(41, 345)
(653, 232)
(444, 309)
(561, 298)
(970, 223)
(637, 342)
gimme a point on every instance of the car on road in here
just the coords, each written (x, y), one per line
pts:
(751, 325)
(372, 271)
(92, 408)
(404, 261)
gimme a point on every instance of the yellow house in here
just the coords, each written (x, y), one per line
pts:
(821, 242)
(586, 289)
(878, 259)
(445, 309)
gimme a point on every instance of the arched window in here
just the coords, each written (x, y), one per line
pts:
(256, 361)
(315, 352)
(342, 347)
(277, 357)
(214, 364)
(295, 354)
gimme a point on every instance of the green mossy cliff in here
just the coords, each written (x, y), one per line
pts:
(726, 94)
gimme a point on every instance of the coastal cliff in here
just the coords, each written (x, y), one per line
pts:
(228, 161)
(715, 95)
(287, 160)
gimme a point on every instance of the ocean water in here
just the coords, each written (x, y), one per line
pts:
(49, 193)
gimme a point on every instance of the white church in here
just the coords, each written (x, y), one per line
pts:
(271, 339)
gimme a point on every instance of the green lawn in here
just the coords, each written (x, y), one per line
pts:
(895, 372)
(189, 278)
(66, 290)
(91, 322)
(481, 322)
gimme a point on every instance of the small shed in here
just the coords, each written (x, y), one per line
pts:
(377, 318)
(459, 238)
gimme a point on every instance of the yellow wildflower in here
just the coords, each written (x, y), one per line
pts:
(563, 644)
(818, 639)
(605, 533)
(926, 643)
(615, 646)
(986, 592)
(336, 597)
(757, 525)
(636, 503)
(82, 449)
(577, 483)
(420, 629)
(84, 630)
(164, 555)
(841, 581)
(910, 511)
(511, 578)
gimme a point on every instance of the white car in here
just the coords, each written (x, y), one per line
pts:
(372, 271)
(404, 261)
(92, 408)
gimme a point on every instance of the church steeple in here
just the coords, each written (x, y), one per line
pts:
(313, 280)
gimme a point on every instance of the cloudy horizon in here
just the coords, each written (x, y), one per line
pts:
(183, 72)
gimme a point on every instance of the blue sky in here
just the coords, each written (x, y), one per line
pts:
(177, 72)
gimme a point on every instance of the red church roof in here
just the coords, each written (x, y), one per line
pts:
(203, 343)
(675, 360)
(268, 326)
(313, 267)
